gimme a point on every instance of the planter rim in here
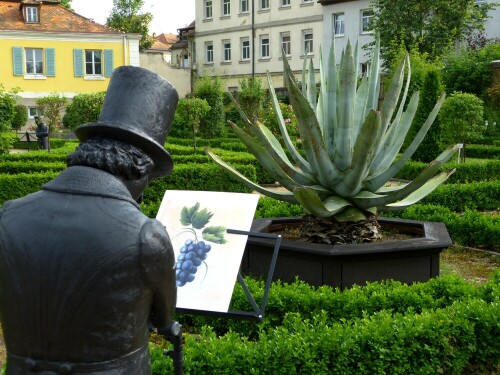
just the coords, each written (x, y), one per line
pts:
(435, 237)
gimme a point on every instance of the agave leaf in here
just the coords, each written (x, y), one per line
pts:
(394, 139)
(393, 94)
(330, 105)
(320, 114)
(364, 151)
(343, 137)
(378, 181)
(351, 214)
(419, 181)
(274, 149)
(387, 189)
(374, 80)
(360, 106)
(284, 196)
(310, 133)
(267, 161)
(421, 193)
(303, 81)
(297, 157)
(312, 203)
(311, 87)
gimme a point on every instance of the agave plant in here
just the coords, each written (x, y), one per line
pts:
(351, 147)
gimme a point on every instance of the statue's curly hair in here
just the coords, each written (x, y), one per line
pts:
(118, 158)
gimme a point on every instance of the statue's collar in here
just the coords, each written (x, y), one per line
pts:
(89, 181)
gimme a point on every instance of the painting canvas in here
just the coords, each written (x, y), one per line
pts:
(207, 257)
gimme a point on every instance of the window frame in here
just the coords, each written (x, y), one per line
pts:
(262, 7)
(342, 22)
(32, 14)
(308, 43)
(367, 24)
(265, 47)
(208, 9)
(34, 71)
(226, 8)
(285, 3)
(93, 63)
(209, 52)
(288, 50)
(35, 111)
(245, 49)
(242, 10)
(226, 51)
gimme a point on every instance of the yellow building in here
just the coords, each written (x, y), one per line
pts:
(46, 48)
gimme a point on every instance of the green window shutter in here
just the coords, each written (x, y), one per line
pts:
(50, 59)
(78, 62)
(108, 62)
(17, 60)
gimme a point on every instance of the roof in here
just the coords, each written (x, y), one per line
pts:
(53, 18)
(181, 44)
(168, 39)
(158, 45)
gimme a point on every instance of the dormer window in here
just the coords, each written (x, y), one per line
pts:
(31, 14)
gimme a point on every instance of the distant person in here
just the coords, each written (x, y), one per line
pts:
(83, 273)
(42, 133)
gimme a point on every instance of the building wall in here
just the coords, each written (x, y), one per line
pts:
(352, 11)
(179, 78)
(272, 23)
(492, 24)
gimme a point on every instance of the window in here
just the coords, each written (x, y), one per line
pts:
(209, 53)
(208, 8)
(285, 3)
(264, 4)
(264, 46)
(193, 52)
(245, 49)
(286, 45)
(307, 1)
(244, 7)
(226, 48)
(365, 69)
(34, 60)
(32, 14)
(32, 112)
(226, 7)
(366, 19)
(338, 24)
(93, 62)
(308, 42)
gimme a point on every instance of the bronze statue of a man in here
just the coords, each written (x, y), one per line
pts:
(83, 273)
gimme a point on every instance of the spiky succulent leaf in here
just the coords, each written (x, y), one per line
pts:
(317, 207)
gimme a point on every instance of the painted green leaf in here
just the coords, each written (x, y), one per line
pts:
(201, 218)
(187, 214)
(214, 234)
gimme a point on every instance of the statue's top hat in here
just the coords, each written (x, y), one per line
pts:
(138, 109)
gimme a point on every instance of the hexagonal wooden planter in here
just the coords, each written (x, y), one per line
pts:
(410, 260)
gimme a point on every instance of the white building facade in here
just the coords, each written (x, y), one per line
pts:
(236, 39)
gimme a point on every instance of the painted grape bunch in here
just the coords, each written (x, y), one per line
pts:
(193, 253)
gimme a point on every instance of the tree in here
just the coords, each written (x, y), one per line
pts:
(66, 4)
(433, 26)
(20, 116)
(251, 96)
(430, 146)
(7, 108)
(51, 106)
(461, 118)
(210, 89)
(84, 108)
(126, 16)
(192, 111)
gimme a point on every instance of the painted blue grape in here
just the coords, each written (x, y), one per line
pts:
(192, 254)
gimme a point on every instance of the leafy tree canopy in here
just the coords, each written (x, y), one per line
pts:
(431, 25)
(66, 4)
(127, 16)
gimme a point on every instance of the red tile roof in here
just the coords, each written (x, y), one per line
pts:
(53, 18)
(167, 38)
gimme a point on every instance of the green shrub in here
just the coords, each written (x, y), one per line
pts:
(20, 116)
(269, 207)
(212, 125)
(483, 152)
(473, 228)
(15, 167)
(17, 186)
(461, 117)
(7, 140)
(7, 108)
(250, 96)
(84, 108)
(52, 106)
(443, 326)
(470, 71)
(468, 172)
